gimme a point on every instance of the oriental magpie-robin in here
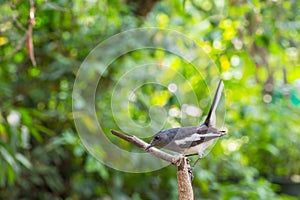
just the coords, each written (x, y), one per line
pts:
(191, 139)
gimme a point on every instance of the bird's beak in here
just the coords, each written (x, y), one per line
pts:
(223, 132)
(148, 147)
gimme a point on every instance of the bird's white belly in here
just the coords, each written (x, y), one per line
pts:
(200, 148)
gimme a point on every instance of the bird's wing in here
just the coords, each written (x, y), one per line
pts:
(198, 136)
(211, 116)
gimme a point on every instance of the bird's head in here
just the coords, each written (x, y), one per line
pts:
(160, 139)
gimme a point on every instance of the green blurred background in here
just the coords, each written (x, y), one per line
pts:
(255, 45)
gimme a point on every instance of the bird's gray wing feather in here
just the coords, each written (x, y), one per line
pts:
(191, 136)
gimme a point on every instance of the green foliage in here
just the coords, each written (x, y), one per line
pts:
(255, 44)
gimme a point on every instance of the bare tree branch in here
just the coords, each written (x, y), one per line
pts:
(154, 151)
(185, 190)
(30, 46)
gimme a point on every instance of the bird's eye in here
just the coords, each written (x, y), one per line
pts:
(157, 137)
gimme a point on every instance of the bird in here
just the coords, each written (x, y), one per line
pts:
(192, 140)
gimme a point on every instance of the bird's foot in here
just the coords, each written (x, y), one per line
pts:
(190, 170)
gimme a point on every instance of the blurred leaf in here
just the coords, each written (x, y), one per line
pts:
(9, 159)
(272, 149)
(23, 160)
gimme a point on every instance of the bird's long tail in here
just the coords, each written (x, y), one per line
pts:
(211, 116)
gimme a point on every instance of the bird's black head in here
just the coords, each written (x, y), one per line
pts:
(161, 139)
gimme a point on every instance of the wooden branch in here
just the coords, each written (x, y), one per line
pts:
(154, 151)
(185, 190)
(30, 46)
(184, 175)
